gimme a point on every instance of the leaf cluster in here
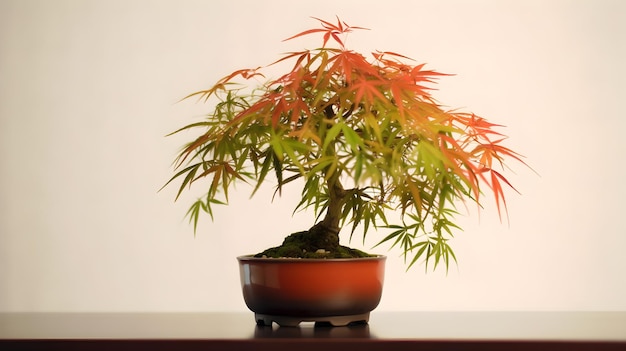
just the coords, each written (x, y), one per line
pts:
(365, 127)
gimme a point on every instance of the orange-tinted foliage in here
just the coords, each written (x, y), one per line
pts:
(372, 121)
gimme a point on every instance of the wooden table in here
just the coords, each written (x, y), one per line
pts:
(389, 331)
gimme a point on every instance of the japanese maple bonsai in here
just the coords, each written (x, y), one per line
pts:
(364, 138)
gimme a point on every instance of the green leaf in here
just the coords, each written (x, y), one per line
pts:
(352, 138)
(358, 167)
(394, 234)
(194, 213)
(422, 245)
(331, 135)
(191, 176)
(192, 125)
(269, 160)
(321, 164)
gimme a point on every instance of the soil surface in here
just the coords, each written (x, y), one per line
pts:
(304, 245)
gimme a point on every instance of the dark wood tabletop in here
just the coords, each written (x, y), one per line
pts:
(386, 331)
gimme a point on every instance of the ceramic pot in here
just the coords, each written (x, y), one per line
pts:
(293, 290)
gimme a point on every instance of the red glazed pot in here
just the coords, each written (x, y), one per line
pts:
(293, 290)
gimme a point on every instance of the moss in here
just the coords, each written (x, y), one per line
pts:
(302, 245)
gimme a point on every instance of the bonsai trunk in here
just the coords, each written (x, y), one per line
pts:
(326, 232)
(321, 240)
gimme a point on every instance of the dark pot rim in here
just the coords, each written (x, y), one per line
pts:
(251, 258)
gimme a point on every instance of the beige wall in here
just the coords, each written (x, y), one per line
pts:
(88, 89)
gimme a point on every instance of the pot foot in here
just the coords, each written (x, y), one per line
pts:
(289, 321)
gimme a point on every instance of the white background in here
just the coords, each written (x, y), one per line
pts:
(88, 89)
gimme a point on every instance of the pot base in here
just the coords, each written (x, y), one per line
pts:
(290, 321)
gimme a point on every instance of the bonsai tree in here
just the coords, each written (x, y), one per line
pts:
(364, 139)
